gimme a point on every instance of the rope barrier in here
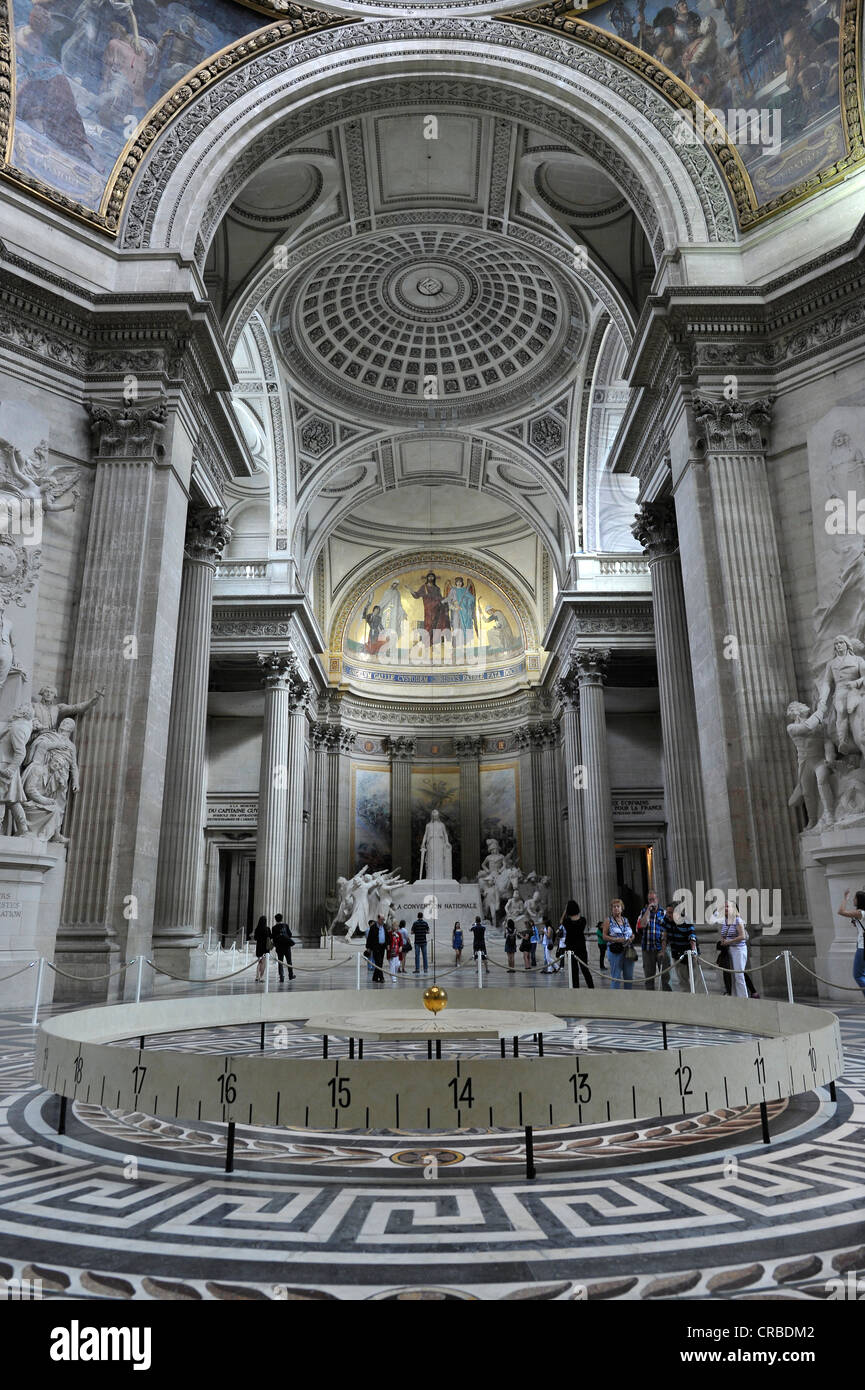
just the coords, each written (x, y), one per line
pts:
(29, 966)
(213, 979)
(86, 979)
(853, 989)
(752, 969)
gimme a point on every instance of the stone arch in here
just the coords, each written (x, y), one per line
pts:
(678, 191)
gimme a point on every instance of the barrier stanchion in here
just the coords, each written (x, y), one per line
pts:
(690, 956)
(569, 966)
(480, 971)
(139, 979)
(789, 976)
(357, 961)
(267, 973)
(40, 971)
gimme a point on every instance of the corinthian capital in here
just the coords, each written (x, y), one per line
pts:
(207, 534)
(401, 750)
(655, 528)
(590, 664)
(281, 672)
(127, 431)
(732, 426)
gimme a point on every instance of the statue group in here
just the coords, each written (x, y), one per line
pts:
(505, 891)
(39, 765)
(830, 742)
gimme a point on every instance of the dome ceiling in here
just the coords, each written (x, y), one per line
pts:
(423, 315)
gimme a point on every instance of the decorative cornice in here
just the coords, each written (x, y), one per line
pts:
(207, 534)
(655, 528)
(127, 432)
(736, 426)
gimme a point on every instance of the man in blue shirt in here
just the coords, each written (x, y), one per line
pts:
(420, 932)
(652, 923)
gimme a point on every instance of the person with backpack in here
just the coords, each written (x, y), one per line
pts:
(283, 942)
(420, 932)
(479, 942)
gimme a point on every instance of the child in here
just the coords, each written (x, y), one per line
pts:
(457, 943)
(394, 951)
(526, 947)
(510, 943)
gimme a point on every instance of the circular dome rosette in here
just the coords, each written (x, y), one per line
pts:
(412, 321)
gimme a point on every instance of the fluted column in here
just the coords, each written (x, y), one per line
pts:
(546, 741)
(176, 922)
(468, 751)
(687, 843)
(124, 645)
(277, 793)
(741, 656)
(402, 750)
(568, 691)
(298, 697)
(590, 665)
(317, 885)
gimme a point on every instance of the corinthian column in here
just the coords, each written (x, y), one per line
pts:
(567, 689)
(591, 665)
(401, 750)
(298, 697)
(279, 800)
(176, 923)
(740, 648)
(655, 529)
(468, 751)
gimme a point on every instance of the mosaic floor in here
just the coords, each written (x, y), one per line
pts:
(128, 1206)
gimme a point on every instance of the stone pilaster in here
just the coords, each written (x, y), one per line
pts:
(545, 768)
(568, 692)
(687, 843)
(402, 751)
(590, 664)
(177, 916)
(468, 751)
(280, 789)
(741, 653)
(124, 645)
(316, 887)
(529, 827)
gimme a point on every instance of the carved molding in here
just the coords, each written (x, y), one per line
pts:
(468, 749)
(401, 749)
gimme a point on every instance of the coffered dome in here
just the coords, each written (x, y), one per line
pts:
(418, 318)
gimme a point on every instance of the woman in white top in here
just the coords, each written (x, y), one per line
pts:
(734, 938)
(857, 916)
(619, 938)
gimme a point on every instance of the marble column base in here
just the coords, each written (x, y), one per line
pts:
(31, 887)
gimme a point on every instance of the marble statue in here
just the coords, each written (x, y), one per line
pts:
(7, 652)
(354, 901)
(515, 909)
(48, 711)
(50, 773)
(13, 748)
(815, 755)
(496, 879)
(534, 907)
(34, 478)
(386, 883)
(435, 851)
(841, 689)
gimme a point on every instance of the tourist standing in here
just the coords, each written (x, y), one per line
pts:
(406, 945)
(479, 942)
(619, 937)
(283, 942)
(857, 915)
(420, 932)
(734, 941)
(394, 951)
(682, 941)
(602, 945)
(376, 945)
(510, 943)
(526, 947)
(653, 940)
(574, 924)
(457, 943)
(534, 939)
(262, 947)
